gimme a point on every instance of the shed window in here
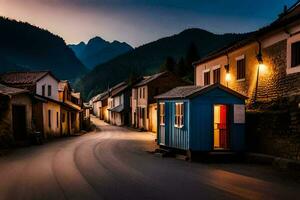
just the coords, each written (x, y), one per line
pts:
(143, 93)
(241, 69)
(295, 54)
(207, 78)
(217, 75)
(179, 115)
(162, 113)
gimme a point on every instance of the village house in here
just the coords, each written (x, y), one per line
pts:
(71, 109)
(104, 106)
(202, 119)
(143, 104)
(15, 116)
(265, 67)
(119, 104)
(50, 102)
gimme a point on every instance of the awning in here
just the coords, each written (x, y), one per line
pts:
(117, 109)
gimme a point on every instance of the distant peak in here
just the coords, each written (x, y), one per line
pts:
(96, 39)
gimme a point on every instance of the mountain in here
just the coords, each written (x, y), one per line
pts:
(98, 51)
(27, 47)
(147, 59)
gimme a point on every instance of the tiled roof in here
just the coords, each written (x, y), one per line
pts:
(148, 79)
(10, 90)
(192, 90)
(22, 77)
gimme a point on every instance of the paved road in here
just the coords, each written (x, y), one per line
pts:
(114, 164)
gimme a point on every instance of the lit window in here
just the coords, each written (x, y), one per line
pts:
(162, 113)
(179, 115)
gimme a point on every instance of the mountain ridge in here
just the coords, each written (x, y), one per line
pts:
(97, 51)
(148, 58)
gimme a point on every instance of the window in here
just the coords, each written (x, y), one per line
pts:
(217, 75)
(49, 118)
(295, 54)
(162, 113)
(179, 112)
(207, 78)
(140, 91)
(43, 90)
(57, 119)
(143, 93)
(49, 90)
(241, 68)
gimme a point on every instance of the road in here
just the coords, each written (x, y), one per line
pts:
(115, 163)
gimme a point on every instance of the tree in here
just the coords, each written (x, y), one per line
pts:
(168, 65)
(192, 55)
(180, 68)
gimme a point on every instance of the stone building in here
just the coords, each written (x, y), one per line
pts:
(266, 68)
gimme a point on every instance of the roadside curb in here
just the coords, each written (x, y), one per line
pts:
(278, 162)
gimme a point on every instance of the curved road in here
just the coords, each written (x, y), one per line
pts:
(114, 163)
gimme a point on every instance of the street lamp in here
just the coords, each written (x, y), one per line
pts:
(227, 77)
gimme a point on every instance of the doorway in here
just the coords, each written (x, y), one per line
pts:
(19, 122)
(221, 128)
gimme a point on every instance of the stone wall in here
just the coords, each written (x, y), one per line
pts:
(275, 128)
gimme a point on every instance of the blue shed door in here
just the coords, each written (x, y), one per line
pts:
(221, 127)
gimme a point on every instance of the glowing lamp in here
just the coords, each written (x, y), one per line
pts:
(227, 77)
(262, 68)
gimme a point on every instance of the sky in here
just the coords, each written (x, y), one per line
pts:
(140, 21)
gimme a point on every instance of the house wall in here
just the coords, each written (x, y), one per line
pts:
(48, 80)
(54, 129)
(6, 117)
(65, 122)
(174, 137)
(153, 117)
(201, 121)
(24, 100)
(96, 108)
(245, 86)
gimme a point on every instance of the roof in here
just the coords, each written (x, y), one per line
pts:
(65, 105)
(192, 91)
(11, 91)
(119, 90)
(24, 77)
(289, 16)
(148, 79)
(117, 109)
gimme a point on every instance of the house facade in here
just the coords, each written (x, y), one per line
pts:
(71, 109)
(143, 104)
(265, 67)
(56, 110)
(119, 104)
(15, 115)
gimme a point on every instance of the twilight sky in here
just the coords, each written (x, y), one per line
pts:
(140, 21)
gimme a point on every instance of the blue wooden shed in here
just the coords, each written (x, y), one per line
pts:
(202, 119)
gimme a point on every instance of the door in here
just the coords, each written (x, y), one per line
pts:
(19, 122)
(221, 131)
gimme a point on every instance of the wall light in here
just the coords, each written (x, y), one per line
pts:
(227, 77)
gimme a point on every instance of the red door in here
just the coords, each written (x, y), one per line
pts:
(223, 127)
